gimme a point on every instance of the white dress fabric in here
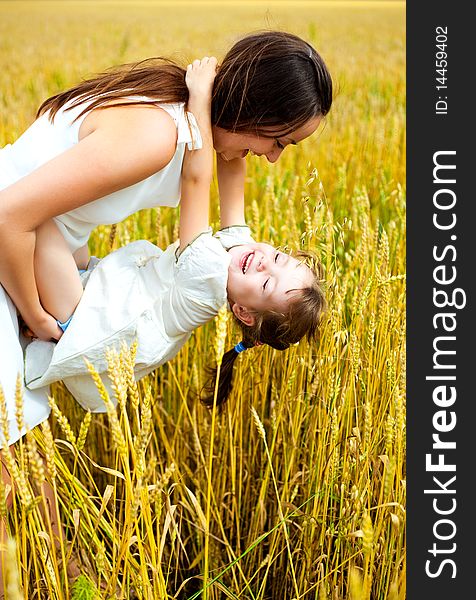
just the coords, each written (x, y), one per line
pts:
(142, 293)
(44, 140)
(41, 142)
(36, 407)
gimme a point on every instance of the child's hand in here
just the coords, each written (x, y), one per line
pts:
(200, 76)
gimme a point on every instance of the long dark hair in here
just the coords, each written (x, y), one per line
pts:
(278, 330)
(269, 79)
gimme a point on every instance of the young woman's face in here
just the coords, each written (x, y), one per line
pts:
(263, 278)
(237, 145)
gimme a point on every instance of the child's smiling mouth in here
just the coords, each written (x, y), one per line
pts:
(246, 261)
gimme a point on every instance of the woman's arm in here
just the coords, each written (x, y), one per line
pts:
(231, 186)
(126, 145)
(197, 170)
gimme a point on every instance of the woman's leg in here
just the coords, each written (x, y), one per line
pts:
(49, 509)
(57, 278)
(6, 482)
(35, 402)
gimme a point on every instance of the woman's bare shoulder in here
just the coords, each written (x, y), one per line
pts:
(125, 146)
(120, 115)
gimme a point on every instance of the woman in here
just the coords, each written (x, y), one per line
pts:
(158, 298)
(115, 144)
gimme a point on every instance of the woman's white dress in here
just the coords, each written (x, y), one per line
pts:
(41, 142)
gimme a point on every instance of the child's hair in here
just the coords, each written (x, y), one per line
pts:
(278, 330)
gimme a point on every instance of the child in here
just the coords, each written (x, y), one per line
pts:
(140, 292)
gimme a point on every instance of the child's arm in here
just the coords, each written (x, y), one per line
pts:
(197, 167)
(56, 274)
(231, 186)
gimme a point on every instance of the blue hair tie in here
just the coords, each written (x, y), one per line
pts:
(240, 347)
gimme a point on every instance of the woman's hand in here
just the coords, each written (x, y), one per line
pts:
(43, 328)
(200, 77)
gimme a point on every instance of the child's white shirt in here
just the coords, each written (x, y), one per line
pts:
(142, 293)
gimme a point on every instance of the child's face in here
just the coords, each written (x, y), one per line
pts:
(263, 278)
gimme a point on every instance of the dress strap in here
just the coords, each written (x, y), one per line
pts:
(187, 127)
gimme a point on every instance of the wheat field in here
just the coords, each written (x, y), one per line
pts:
(296, 491)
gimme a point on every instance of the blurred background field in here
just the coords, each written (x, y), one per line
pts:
(305, 498)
